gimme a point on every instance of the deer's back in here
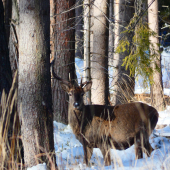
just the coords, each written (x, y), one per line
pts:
(120, 122)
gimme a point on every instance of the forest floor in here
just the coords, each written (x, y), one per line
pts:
(69, 150)
(70, 155)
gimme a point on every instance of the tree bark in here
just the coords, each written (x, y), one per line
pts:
(87, 73)
(13, 37)
(64, 57)
(111, 34)
(99, 61)
(79, 51)
(157, 99)
(122, 83)
(34, 91)
(52, 26)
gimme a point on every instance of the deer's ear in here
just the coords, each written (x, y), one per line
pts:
(65, 87)
(87, 86)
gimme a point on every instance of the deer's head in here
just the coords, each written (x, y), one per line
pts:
(75, 92)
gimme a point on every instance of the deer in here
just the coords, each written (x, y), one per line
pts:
(108, 127)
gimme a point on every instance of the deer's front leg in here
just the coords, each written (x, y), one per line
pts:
(106, 155)
(88, 150)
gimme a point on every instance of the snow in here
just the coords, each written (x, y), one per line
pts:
(69, 151)
(38, 167)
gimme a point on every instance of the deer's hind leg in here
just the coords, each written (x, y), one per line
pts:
(147, 146)
(142, 144)
(138, 145)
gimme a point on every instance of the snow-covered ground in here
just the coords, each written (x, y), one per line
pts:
(70, 154)
(69, 150)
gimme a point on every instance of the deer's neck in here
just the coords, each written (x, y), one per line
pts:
(75, 119)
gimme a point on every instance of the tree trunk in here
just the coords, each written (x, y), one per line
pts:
(34, 91)
(52, 26)
(5, 69)
(157, 99)
(79, 51)
(13, 37)
(99, 62)
(87, 73)
(64, 55)
(123, 84)
(111, 34)
(10, 122)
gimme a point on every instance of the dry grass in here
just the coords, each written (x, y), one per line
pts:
(143, 97)
(10, 151)
(124, 92)
(10, 148)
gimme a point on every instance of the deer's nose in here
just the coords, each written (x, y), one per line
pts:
(76, 104)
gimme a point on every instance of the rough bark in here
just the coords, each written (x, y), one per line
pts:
(13, 37)
(99, 61)
(52, 26)
(157, 99)
(34, 91)
(123, 84)
(64, 56)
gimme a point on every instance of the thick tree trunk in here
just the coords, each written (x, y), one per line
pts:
(64, 56)
(99, 62)
(157, 99)
(123, 84)
(34, 91)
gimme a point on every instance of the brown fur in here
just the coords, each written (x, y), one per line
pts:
(106, 127)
